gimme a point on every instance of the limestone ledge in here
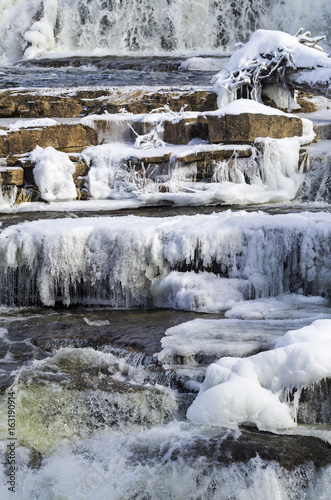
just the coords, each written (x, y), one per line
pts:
(58, 136)
(80, 102)
(230, 137)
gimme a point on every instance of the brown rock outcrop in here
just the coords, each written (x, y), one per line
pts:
(58, 136)
(246, 127)
(32, 104)
(11, 176)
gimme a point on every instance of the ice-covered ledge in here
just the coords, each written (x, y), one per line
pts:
(241, 121)
(244, 120)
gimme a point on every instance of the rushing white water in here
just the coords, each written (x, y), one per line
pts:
(31, 28)
(106, 467)
(89, 424)
(131, 262)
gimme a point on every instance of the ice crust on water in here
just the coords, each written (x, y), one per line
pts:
(200, 340)
(197, 340)
(282, 307)
(121, 261)
(254, 390)
(53, 174)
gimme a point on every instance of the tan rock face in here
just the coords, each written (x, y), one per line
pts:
(246, 127)
(80, 173)
(58, 136)
(11, 175)
(30, 104)
(3, 146)
(184, 130)
(140, 101)
(218, 154)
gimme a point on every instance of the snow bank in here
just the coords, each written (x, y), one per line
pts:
(53, 174)
(240, 106)
(253, 390)
(31, 123)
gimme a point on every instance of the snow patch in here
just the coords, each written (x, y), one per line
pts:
(53, 174)
(253, 390)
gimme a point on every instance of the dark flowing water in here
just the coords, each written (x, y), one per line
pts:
(107, 71)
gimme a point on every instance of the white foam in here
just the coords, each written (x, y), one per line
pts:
(96, 322)
(203, 64)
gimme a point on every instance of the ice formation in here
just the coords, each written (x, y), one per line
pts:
(129, 262)
(250, 326)
(269, 52)
(271, 176)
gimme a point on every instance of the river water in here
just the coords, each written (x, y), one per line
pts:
(110, 318)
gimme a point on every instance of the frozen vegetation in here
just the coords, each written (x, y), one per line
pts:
(269, 57)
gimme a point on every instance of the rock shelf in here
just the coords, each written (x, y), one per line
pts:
(87, 118)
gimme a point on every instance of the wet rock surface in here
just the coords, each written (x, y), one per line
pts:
(288, 451)
(141, 330)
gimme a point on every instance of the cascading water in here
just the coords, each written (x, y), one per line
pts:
(104, 341)
(118, 27)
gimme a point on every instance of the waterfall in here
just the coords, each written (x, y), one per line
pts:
(31, 28)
